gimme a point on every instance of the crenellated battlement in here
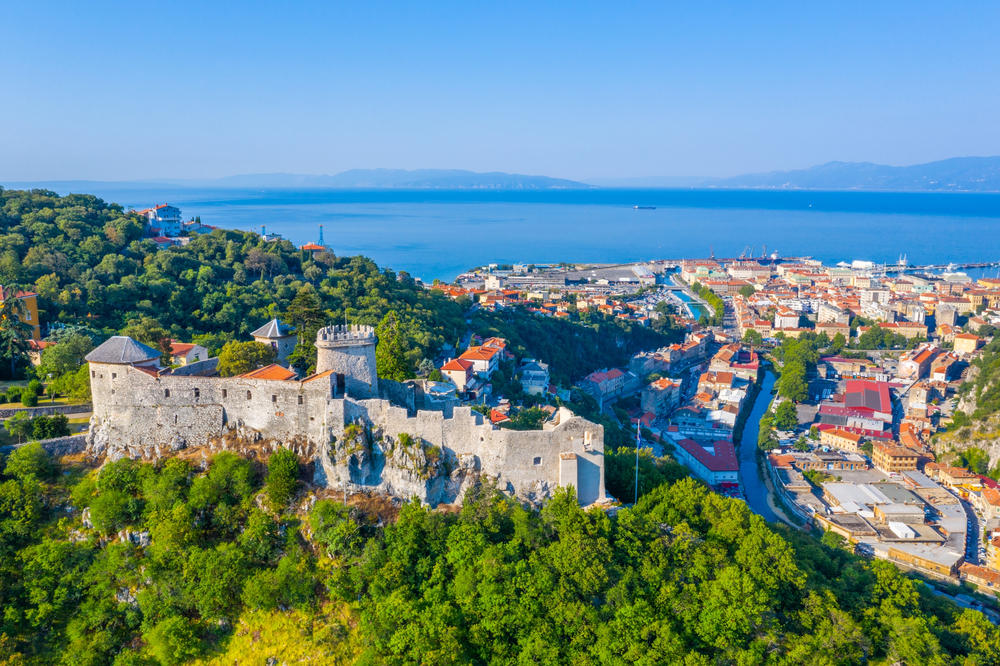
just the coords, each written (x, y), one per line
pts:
(345, 335)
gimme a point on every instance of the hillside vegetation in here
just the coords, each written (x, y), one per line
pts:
(92, 267)
(972, 437)
(143, 564)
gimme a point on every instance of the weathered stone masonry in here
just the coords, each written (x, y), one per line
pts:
(340, 417)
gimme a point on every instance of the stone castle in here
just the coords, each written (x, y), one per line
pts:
(360, 431)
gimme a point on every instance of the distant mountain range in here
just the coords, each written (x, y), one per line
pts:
(419, 179)
(958, 174)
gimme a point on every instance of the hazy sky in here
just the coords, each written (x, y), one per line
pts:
(122, 90)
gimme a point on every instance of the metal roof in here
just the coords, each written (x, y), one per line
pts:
(273, 329)
(122, 349)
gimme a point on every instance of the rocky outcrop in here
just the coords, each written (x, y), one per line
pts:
(982, 434)
(404, 466)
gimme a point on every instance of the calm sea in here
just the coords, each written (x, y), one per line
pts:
(438, 234)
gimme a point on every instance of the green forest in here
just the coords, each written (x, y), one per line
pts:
(180, 561)
(95, 273)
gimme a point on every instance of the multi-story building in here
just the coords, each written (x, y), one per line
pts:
(917, 363)
(534, 376)
(30, 315)
(966, 343)
(889, 459)
(661, 397)
(162, 220)
(840, 439)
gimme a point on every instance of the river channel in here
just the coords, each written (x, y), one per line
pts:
(753, 485)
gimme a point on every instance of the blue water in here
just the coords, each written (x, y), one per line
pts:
(696, 308)
(437, 234)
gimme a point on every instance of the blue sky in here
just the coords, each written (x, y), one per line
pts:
(199, 89)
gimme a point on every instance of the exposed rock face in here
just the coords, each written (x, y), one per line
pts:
(982, 434)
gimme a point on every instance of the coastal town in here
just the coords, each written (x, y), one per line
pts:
(858, 458)
(854, 455)
(611, 334)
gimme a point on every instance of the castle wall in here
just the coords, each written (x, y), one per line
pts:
(138, 413)
(526, 463)
(134, 410)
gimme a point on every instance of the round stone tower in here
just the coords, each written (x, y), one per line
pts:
(350, 351)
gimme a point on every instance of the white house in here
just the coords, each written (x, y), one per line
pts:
(534, 377)
(162, 220)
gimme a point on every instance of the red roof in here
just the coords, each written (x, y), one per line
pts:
(318, 375)
(18, 294)
(273, 371)
(312, 246)
(180, 348)
(724, 459)
(457, 364)
(150, 210)
(868, 395)
(480, 353)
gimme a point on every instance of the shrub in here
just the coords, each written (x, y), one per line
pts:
(334, 527)
(46, 427)
(30, 460)
(29, 398)
(35, 387)
(112, 510)
(282, 478)
(174, 640)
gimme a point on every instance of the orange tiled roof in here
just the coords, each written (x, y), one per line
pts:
(273, 371)
(458, 364)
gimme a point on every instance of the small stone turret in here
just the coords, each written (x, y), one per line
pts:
(350, 351)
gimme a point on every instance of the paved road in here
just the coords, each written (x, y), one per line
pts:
(753, 485)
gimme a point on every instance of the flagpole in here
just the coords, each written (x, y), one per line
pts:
(638, 439)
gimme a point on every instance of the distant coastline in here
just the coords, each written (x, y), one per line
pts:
(959, 174)
(439, 233)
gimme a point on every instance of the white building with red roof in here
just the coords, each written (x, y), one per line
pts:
(162, 220)
(484, 359)
(714, 462)
(459, 372)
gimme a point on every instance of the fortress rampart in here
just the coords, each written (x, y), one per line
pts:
(357, 441)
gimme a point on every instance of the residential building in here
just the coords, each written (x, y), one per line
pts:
(916, 363)
(604, 384)
(182, 353)
(30, 316)
(966, 343)
(888, 458)
(786, 318)
(460, 372)
(162, 220)
(534, 376)
(278, 336)
(840, 439)
(714, 462)
(661, 397)
(485, 360)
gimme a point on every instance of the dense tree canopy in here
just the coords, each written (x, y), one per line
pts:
(139, 563)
